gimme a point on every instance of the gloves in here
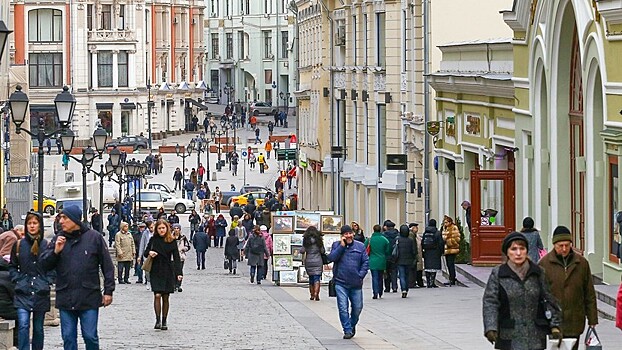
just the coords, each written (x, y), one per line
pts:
(491, 336)
(556, 333)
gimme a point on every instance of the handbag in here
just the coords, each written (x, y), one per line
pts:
(542, 253)
(226, 264)
(368, 249)
(592, 342)
(332, 292)
(147, 264)
(325, 260)
(565, 344)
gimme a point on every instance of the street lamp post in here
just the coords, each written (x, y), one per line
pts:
(65, 104)
(228, 91)
(117, 169)
(183, 154)
(149, 105)
(219, 133)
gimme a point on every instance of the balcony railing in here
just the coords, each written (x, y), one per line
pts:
(111, 35)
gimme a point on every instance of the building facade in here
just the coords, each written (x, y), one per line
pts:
(116, 55)
(250, 48)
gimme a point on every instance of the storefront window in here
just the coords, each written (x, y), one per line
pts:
(614, 237)
(491, 202)
(105, 118)
(125, 123)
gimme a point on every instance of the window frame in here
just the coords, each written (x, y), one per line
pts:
(100, 65)
(33, 61)
(55, 15)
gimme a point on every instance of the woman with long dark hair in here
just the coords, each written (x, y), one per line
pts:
(165, 270)
(312, 250)
(32, 284)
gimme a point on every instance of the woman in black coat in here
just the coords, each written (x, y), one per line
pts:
(232, 254)
(407, 257)
(165, 270)
(433, 247)
(32, 284)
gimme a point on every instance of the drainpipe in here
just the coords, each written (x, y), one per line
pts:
(426, 92)
(331, 105)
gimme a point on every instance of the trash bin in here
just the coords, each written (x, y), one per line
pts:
(213, 176)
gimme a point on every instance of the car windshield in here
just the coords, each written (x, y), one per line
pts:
(150, 197)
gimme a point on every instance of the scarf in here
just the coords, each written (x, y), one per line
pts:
(35, 245)
(519, 270)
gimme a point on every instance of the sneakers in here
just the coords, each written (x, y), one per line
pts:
(375, 296)
(404, 294)
(180, 290)
(348, 335)
(252, 278)
(148, 287)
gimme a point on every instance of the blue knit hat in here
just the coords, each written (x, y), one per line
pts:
(74, 213)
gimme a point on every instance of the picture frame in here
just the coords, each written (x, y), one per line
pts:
(296, 254)
(303, 277)
(282, 263)
(282, 224)
(331, 223)
(297, 239)
(304, 220)
(329, 239)
(281, 244)
(296, 264)
(288, 277)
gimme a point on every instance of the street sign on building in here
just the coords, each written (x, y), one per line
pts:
(397, 162)
(286, 154)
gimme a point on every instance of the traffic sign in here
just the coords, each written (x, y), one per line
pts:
(286, 154)
(244, 154)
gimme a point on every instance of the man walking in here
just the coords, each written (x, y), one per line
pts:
(200, 242)
(351, 264)
(257, 139)
(390, 275)
(571, 283)
(177, 177)
(75, 253)
(262, 163)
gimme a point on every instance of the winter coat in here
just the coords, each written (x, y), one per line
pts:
(451, 236)
(380, 249)
(183, 245)
(113, 223)
(210, 226)
(7, 293)
(313, 257)
(231, 248)
(221, 226)
(248, 225)
(173, 219)
(432, 257)
(166, 265)
(96, 222)
(619, 308)
(351, 264)
(195, 220)
(391, 235)
(250, 208)
(124, 245)
(407, 251)
(77, 269)
(236, 211)
(200, 242)
(242, 235)
(268, 239)
(7, 241)
(7, 224)
(573, 287)
(419, 253)
(359, 235)
(535, 244)
(510, 307)
(144, 240)
(266, 218)
(32, 283)
(253, 258)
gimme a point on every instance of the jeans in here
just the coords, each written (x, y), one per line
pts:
(139, 271)
(451, 266)
(200, 259)
(345, 297)
(88, 326)
(233, 264)
(390, 277)
(261, 168)
(259, 270)
(218, 241)
(23, 329)
(376, 281)
(177, 185)
(189, 195)
(124, 270)
(403, 271)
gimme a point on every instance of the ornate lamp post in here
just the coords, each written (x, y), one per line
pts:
(184, 154)
(117, 167)
(229, 90)
(219, 133)
(226, 125)
(149, 106)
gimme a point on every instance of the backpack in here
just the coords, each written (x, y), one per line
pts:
(429, 241)
(256, 246)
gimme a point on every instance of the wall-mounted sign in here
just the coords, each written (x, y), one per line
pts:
(472, 125)
(433, 128)
(397, 162)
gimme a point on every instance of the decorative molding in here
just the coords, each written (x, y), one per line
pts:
(380, 82)
(611, 10)
(355, 82)
(340, 80)
(404, 81)
(379, 6)
(519, 17)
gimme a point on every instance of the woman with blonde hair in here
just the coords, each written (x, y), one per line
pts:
(165, 270)
(359, 235)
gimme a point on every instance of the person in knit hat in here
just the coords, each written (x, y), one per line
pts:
(570, 278)
(536, 248)
(81, 295)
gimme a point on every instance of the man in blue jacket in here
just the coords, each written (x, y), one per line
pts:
(77, 254)
(351, 264)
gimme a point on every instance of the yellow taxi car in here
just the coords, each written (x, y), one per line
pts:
(49, 204)
(260, 198)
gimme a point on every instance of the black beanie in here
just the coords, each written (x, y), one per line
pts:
(528, 222)
(514, 236)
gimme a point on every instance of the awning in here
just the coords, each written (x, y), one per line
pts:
(196, 103)
(104, 105)
(128, 105)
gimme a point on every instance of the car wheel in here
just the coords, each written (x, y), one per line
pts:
(49, 210)
(180, 208)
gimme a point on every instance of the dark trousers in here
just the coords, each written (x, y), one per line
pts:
(412, 277)
(178, 282)
(265, 269)
(177, 185)
(218, 241)
(139, 272)
(420, 278)
(201, 259)
(124, 270)
(259, 270)
(451, 266)
(390, 277)
(217, 205)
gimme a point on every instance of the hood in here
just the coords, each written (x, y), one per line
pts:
(431, 229)
(391, 233)
(404, 231)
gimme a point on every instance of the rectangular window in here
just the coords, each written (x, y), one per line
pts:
(614, 208)
(45, 25)
(284, 44)
(229, 38)
(381, 146)
(380, 40)
(105, 118)
(104, 68)
(46, 69)
(248, 7)
(354, 38)
(227, 8)
(267, 43)
(365, 39)
(268, 93)
(242, 45)
(121, 21)
(267, 5)
(106, 17)
(89, 16)
(122, 63)
(268, 76)
(215, 52)
(404, 42)
(125, 122)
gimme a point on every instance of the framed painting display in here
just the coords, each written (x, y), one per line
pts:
(303, 277)
(297, 239)
(282, 263)
(331, 223)
(288, 277)
(297, 263)
(296, 254)
(282, 224)
(329, 240)
(304, 220)
(281, 244)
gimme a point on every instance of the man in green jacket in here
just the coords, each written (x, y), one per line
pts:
(571, 283)
(378, 248)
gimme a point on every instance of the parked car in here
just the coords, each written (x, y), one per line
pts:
(63, 202)
(137, 142)
(260, 198)
(152, 200)
(252, 188)
(49, 204)
(158, 186)
(258, 108)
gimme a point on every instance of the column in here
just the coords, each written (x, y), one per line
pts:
(115, 69)
(132, 69)
(94, 68)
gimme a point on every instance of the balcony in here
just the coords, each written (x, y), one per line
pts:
(114, 35)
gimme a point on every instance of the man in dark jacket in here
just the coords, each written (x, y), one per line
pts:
(351, 264)
(390, 274)
(177, 177)
(407, 257)
(76, 254)
(200, 242)
(236, 211)
(96, 220)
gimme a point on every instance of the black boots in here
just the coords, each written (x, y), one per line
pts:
(164, 326)
(157, 325)
(430, 279)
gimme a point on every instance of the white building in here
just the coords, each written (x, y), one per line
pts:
(250, 45)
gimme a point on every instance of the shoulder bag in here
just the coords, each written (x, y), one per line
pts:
(147, 264)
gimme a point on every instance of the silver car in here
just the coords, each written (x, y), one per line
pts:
(258, 108)
(152, 200)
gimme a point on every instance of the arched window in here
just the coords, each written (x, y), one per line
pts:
(45, 26)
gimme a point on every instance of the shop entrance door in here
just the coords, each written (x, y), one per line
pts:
(492, 213)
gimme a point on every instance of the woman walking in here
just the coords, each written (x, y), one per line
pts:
(433, 246)
(514, 317)
(165, 270)
(232, 254)
(32, 284)
(451, 236)
(195, 221)
(183, 245)
(312, 250)
(533, 238)
(406, 258)
(266, 258)
(126, 252)
(378, 248)
(255, 250)
(221, 227)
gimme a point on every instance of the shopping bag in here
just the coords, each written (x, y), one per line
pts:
(332, 292)
(592, 342)
(542, 253)
(226, 264)
(566, 344)
(147, 264)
